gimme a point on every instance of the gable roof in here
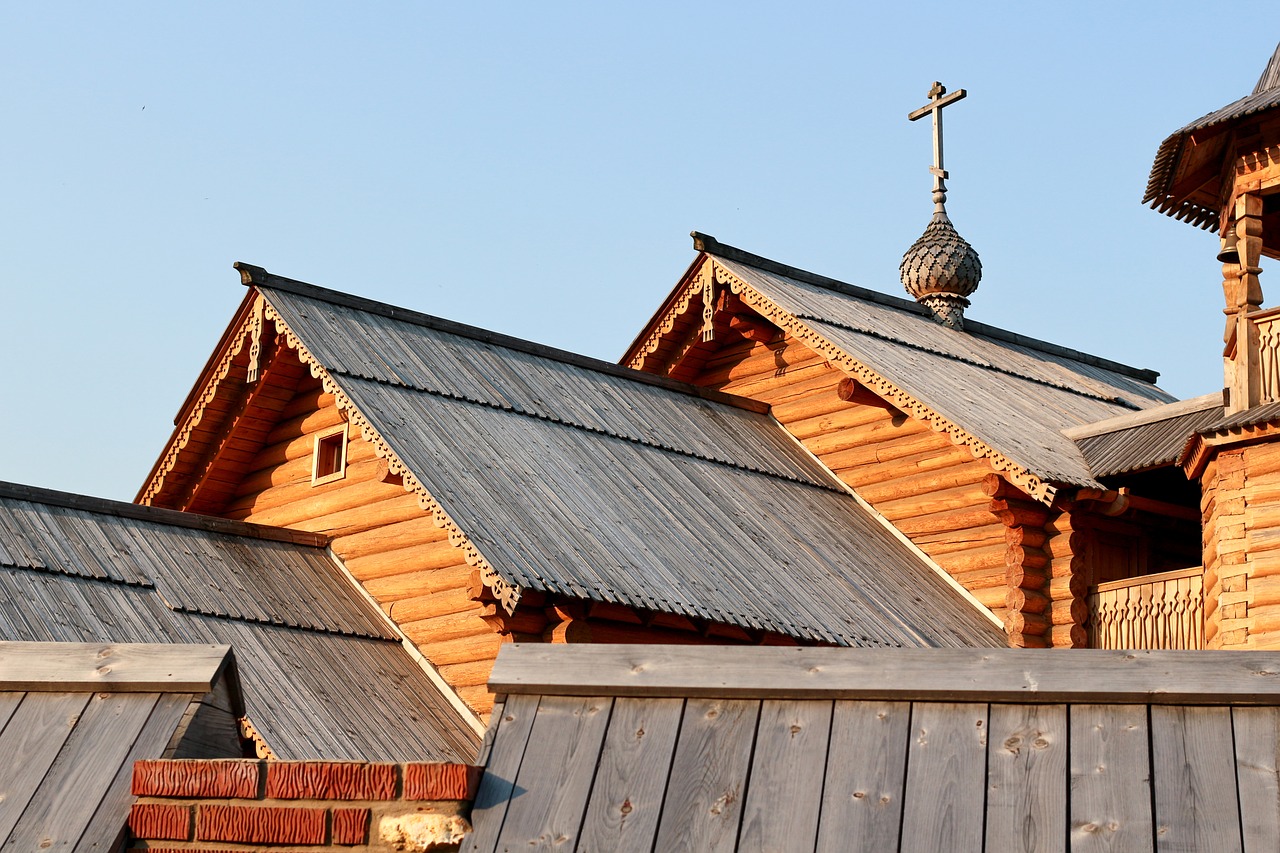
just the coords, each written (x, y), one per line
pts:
(1168, 164)
(579, 478)
(73, 720)
(1147, 439)
(1006, 396)
(639, 748)
(323, 674)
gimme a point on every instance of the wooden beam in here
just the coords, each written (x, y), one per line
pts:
(930, 675)
(109, 667)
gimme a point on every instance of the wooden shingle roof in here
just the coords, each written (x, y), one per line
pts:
(323, 674)
(583, 479)
(1006, 396)
(646, 748)
(1168, 165)
(1146, 439)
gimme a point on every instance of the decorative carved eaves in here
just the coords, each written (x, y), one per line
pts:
(214, 385)
(507, 594)
(894, 396)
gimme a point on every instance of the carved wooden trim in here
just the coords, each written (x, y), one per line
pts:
(1033, 485)
(695, 285)
(504, 592)
(195, 417)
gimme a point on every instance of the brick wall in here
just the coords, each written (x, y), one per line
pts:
(246, 806)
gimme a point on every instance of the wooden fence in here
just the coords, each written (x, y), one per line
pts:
(1164, 611)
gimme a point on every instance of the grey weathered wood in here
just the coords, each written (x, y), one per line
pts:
(1194, 773)
(546, 813)
(29, 744)
(1257, 754)
(103, 832)
(89, 761)
(946, 772)
(9, 703)
(626, 800)
(136, 667)
(1110, 778)
(509, 735)
(1027, 778)
(790, 753)
(865, 777)
(942, 675)
(703, 806)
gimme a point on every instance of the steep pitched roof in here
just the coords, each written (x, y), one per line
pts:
(1006, 396)
(323, 674)
(1146, 439)
(1168, 165)
(580, 478)
(640, 748)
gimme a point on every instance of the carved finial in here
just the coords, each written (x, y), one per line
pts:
(940, 269)
(249, 274)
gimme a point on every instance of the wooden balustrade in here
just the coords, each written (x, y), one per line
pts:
(1164, 611)
(1267, 326)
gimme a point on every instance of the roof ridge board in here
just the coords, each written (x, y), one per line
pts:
(453, 327)
(160, 515)
(554, 419)
(985, 365)
(1155, 414)
(732, 253)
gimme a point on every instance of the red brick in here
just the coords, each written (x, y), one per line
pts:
(330, 780)
(260, 824)
(350, 826)
(160, 821)
(196, 779)
(441, 781)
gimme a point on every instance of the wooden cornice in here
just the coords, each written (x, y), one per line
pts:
(1201, 448)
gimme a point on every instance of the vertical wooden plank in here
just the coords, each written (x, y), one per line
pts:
(31, 741)
(626, 800)
(866, 771)
(1193, 769)
(1257, 751)
(104, 831)
(785, 794)
(1110, 778)
(946, 777)
(74, 787)
(507, 736)
(550, 796)
(708, 776)
(1027, 779)
(9, 703)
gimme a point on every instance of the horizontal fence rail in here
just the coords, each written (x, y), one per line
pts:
(1164, 611)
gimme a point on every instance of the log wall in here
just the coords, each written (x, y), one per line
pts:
(388, 542)
(1240, 506)
(918, 479)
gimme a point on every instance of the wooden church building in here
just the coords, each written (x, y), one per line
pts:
(781, 459)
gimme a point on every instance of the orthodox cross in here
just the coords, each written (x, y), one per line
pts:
(938, 98)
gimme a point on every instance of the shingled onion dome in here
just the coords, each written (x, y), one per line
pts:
(941, 270)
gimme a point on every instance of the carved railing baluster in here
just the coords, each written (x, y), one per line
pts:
(1164, 611)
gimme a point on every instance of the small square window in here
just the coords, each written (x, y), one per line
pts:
(329, 459)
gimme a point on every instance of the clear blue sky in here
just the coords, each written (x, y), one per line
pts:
(535, 168)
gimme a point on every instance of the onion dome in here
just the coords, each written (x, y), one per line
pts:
(941, 269)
